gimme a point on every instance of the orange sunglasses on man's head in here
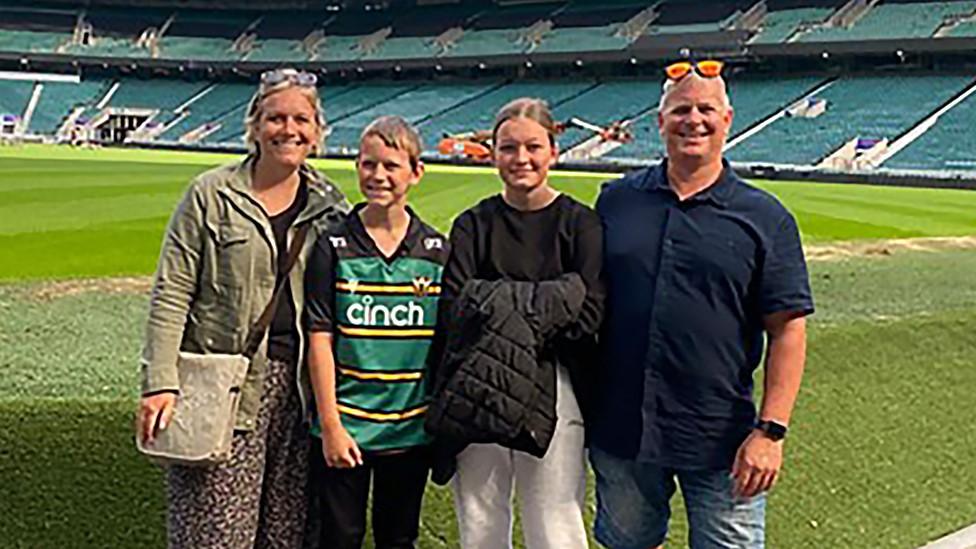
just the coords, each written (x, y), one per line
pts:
(706, 68)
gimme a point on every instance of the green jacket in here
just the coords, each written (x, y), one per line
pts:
(216, 274)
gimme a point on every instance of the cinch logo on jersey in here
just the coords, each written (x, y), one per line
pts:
(385, 316)
(367, 313)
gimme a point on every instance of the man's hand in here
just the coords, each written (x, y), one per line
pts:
(339, 449)
(757, 464)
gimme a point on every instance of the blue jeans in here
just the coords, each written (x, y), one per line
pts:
(633, 506)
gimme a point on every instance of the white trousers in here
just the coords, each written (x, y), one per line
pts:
(550, 490)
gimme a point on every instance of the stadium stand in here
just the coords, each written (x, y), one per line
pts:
(603, 105)
(35, 29)
(756, 98)
(415, 105)
(583, 39)
(14, 95)
(893, 20)
(464, 95)
(478, 113)
(779, 26)
(863, 106)
(218, 100)
(58, 99)
(949, 145)
(158, 94)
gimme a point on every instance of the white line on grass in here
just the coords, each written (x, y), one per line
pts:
(963, 539)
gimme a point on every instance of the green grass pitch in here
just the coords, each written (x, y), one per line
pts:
(880, 454)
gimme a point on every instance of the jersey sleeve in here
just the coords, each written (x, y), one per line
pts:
(320, 286)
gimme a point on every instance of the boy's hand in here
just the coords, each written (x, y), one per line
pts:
(339, 449)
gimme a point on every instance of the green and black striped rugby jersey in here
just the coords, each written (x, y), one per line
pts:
(382, 313)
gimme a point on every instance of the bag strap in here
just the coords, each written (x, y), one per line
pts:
(261, 326)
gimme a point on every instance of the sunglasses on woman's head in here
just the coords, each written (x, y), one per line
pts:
(278, 76)
(706, 68)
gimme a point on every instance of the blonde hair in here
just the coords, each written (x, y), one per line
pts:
(397, 133)
(526, 107)
(255, 109)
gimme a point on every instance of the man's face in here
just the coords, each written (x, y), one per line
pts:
(695, 120)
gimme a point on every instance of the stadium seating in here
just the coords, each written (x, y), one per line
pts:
(219, 100)
(154, 94)
(486, 42)
(197, 48)
(408, 47)
(868, 106)
(756, 98)
(276, 49)
(603, 105)
(780, 25)
(478, 113)
(58, 99)
(25, 28)
(886, 21)
(14, 95)
(338, 48)
(949, 145)
(414, 105)
(583, 39)
(31, 41)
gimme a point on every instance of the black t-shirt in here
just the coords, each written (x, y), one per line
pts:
(494, 241)
(282, 338)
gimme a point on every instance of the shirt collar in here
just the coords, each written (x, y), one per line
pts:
(409, 239)
(718, 193)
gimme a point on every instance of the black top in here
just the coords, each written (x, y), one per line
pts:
(493, 241)
(689, 283)
(282, 338)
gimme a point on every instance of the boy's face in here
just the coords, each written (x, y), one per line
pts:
(385, 174)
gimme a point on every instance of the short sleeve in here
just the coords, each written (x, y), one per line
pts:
(320, 286)
(785, 282)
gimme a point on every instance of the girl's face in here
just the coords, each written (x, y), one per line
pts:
(523, 153)
(287, 129)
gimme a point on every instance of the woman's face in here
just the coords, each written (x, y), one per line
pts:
(523, 153)
(287, 130)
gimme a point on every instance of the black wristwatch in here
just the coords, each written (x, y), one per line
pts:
(775, 431)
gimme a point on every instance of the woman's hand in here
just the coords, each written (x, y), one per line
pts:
(154, 410)
(339, 449)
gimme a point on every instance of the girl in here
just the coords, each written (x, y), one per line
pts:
(529, 232)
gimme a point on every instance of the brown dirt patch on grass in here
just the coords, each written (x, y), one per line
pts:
(883, 248)
(49, 291)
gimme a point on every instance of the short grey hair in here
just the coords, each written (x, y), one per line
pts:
(254, 111)
(670, 86)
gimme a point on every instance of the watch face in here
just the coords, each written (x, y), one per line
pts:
(775, 430)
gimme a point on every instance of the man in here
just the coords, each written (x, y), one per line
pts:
(700, 266)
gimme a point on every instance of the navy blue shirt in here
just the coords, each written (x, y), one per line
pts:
(689, 283)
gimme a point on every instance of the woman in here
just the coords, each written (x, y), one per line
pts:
(223, 250)
(529, 232)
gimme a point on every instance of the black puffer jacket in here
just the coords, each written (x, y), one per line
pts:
(497, 380)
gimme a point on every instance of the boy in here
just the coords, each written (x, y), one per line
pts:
(372, 289)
